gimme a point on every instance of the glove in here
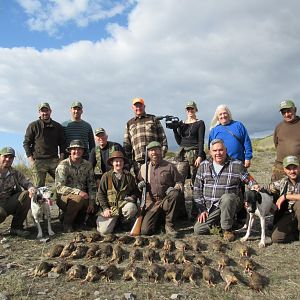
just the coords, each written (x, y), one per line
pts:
(141, 185)
(169, 190)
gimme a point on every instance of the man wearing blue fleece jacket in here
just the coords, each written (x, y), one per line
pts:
(233, 133)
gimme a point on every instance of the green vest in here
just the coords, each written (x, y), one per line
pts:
(111, 149)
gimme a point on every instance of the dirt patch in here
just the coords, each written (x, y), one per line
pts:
(277, 263)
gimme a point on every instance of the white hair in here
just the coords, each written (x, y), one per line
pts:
(215, 120)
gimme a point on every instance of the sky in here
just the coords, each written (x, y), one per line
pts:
(245, 54)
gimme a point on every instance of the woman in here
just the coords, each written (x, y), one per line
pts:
(190, 137)
(233, 133)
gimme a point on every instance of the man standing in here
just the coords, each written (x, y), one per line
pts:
(100, 154)
(44, 139)
(287, 223)
(286, 137)
(75, 185)
(78, 129)
(13, 201)
(164, 190)
(141, 130)
(217, 190)
(117, 195)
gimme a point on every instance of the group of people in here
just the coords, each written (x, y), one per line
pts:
(95, 177)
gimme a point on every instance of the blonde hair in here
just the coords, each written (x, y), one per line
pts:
(215, 120)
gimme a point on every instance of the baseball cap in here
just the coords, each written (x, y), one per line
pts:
(76, 144)
(191, 104)
(44, 105)
(7, 151)
(290, 160)
(76, 104)
(153, 144)
(138, 100)
(100, 130)
(286, 104)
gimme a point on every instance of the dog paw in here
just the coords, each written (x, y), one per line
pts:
(39, 236)
(244, 239)
(262, 245)
(51, 232)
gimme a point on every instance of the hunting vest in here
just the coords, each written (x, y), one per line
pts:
(111, 149)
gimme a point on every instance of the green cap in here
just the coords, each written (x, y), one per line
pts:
(76, 104)
(76, 144)
(191, 104)
(287, 104)
(7, 151)
(44, 105)
(100, 130)
(153, 144)
(290, 160)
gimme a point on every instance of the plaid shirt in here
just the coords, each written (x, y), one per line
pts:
(139, 133)
(209, 186)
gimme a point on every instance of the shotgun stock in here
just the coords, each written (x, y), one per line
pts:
(136, 228)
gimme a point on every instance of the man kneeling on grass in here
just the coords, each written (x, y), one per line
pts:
(13, 201)
(117, 196)
(217, 190)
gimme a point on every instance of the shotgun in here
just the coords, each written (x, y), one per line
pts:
(136, 228)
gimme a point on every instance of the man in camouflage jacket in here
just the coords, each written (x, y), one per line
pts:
(75, 185)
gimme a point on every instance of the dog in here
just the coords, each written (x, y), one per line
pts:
(259, 204)
(40, 207)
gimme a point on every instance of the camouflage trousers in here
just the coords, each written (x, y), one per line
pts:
(277, 171)
(17, 205)
(186, 163)
(40, 169)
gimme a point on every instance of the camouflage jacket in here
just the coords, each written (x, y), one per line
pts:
(11, 183)
(72, 178)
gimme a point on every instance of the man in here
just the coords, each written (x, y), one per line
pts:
(13, 201)
(165, 192)
(286, 137)
(44, 139)
(287, 218)
(76, 187)
(78, 129)
(141, 130)
(117, 195)
(100, 154)
(217, 190)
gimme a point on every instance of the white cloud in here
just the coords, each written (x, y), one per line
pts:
(50, 16)
(242, 53)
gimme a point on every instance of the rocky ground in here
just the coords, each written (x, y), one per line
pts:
(278, 264)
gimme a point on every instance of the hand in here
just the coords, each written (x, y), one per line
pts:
(169, 190)
(31, 160)
(279, 201)
(246, 204)
(106, 213)
(255, 187)
(129, 199)
(198, 161)
(202, 217)
(247, 163)
(90, 209)
(141, 185)
(31, 191)
(84, 195)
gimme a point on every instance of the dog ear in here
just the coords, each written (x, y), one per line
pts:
(259, 198)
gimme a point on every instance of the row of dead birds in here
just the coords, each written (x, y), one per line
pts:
(78, 249)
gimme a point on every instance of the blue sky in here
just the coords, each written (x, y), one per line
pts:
(104, 53)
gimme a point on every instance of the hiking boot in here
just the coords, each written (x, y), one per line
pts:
(19, 232)
(170, 230)
(229, 236)
(67, 228)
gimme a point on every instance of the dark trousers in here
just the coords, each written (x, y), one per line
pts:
(166, 208)
(287, 227)
(17, 205)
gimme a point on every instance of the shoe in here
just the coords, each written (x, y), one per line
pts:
(229, 236)
(19, 232)
(170, 230)
(67, 228)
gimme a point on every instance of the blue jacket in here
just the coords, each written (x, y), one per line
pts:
(235, 149)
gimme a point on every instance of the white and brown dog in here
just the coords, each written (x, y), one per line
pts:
(259, 204)
(40, 207)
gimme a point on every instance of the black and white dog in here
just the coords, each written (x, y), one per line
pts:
(259, 204)
(40, 207)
